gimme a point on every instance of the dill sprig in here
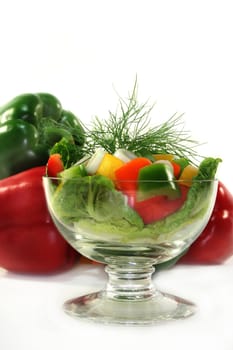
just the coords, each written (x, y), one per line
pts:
(130, 127)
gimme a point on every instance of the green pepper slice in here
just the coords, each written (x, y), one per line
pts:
(157, 179)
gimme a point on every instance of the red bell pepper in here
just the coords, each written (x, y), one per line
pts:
(215, 244)
(29, 241)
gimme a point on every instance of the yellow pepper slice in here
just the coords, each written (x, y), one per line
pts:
(188, 174)
(109, 165)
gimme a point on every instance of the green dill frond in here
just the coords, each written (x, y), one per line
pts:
(130, 127)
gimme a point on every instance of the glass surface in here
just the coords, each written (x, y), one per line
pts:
(104, 226)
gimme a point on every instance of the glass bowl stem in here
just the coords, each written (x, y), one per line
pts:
(130, 297)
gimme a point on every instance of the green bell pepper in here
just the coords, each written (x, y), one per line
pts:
(30, 124)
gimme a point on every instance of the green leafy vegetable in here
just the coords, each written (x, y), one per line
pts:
(69, 152)
(73, 172)
(93, 198)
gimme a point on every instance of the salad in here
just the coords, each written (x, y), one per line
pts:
(124, 198)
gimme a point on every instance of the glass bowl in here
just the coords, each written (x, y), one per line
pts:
(130, 234)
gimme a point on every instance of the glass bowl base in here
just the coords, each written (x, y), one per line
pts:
(101, 308)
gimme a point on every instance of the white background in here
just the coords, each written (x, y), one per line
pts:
(181, 52)
(80, 51)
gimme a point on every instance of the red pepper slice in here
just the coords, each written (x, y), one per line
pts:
(54, 165)
(127, 175)
(157, 207)
(176, 169)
